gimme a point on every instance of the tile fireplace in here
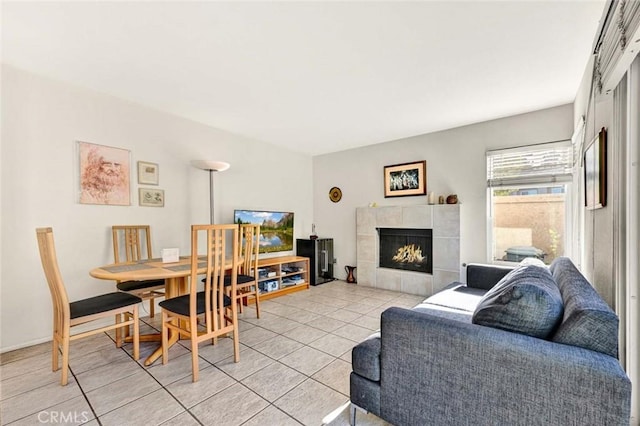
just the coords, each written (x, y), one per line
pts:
(444, 223)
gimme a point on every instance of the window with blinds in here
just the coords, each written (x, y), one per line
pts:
(544, 163)
(616, 45)
(528, 193)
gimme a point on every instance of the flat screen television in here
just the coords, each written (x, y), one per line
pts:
(276, 228)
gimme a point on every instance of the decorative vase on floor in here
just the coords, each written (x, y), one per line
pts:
(350, 277)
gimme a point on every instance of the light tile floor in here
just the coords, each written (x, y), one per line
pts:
(294, 369)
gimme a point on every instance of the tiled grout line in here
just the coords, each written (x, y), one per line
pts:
(95, 415)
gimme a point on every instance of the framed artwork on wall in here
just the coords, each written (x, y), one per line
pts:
(104, 174)
(151, 197)
(148, 173)
(407, 179)
(595, 172)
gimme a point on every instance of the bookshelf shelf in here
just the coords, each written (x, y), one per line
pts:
(282, 275)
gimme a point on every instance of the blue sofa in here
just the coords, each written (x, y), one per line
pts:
(523, 346)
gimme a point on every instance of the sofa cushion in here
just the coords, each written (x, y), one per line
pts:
(588, 321)
(365, 358)
(525, 301)
(456, 296)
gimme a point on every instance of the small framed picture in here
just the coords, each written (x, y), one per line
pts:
(402, 180)
(595, 172)
(148, 173)
(151, 197)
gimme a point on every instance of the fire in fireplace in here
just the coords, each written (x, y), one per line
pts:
(406, 248)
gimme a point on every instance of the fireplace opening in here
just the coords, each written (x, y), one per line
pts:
(406, 248)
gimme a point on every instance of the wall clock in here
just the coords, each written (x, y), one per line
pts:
(335, 194)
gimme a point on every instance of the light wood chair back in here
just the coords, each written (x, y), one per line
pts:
(210, 313)
(135, 240)
(250, 246)
(132, 243)
(248, 274)
(67, 315)
(59, 298)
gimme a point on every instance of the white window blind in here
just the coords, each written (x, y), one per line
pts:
(534, 164)
(617, 43)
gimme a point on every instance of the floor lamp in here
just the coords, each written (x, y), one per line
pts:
(211, 167)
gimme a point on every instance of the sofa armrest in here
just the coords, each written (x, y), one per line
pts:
(485, 276)
(436, 370)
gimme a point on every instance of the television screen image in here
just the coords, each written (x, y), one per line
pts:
(276, 228)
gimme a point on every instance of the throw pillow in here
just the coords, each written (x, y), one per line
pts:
(527, 301)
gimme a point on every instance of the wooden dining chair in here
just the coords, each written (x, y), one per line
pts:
(69, 314)
(135, 241)
(207, 314)
(249, 244)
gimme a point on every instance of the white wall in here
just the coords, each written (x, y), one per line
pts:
(41, 122)
(455, 164)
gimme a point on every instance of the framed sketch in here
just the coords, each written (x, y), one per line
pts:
(595, 172)
(148, 173)
(407, 179)
(104, 174)
(151, 197)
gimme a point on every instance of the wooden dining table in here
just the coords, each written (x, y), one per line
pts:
(175, 276)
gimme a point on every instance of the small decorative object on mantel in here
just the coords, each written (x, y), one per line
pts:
(441, 199)
(401, 180)
(335, 194)
(313, 235)
(432, 197)
(452, 199)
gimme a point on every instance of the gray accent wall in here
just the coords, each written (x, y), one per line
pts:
(455, 165)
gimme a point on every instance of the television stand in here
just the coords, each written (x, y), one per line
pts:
(281, 275)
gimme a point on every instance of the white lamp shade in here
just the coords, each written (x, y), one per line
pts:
(210, 165)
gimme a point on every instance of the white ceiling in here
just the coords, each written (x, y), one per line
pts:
(316, 77)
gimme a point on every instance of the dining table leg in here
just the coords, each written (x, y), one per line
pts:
(173, 287)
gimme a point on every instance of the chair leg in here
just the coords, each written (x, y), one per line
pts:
(236, 339)
(136, 333)
(65, 358)
(240, 300)
(127, 317)
(194, 357)
(119, 338)
(55, 347)
(165, 338)
(257, 301)
(152, 307)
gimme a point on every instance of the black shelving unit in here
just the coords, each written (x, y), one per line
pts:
(320, 254)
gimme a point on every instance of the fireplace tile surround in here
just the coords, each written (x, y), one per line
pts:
(445, 222)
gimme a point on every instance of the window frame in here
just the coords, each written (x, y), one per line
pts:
(527, 182)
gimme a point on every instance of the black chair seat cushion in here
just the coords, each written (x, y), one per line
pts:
(242, 279)
(102, 303)
(139, 285)
(180, 305)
